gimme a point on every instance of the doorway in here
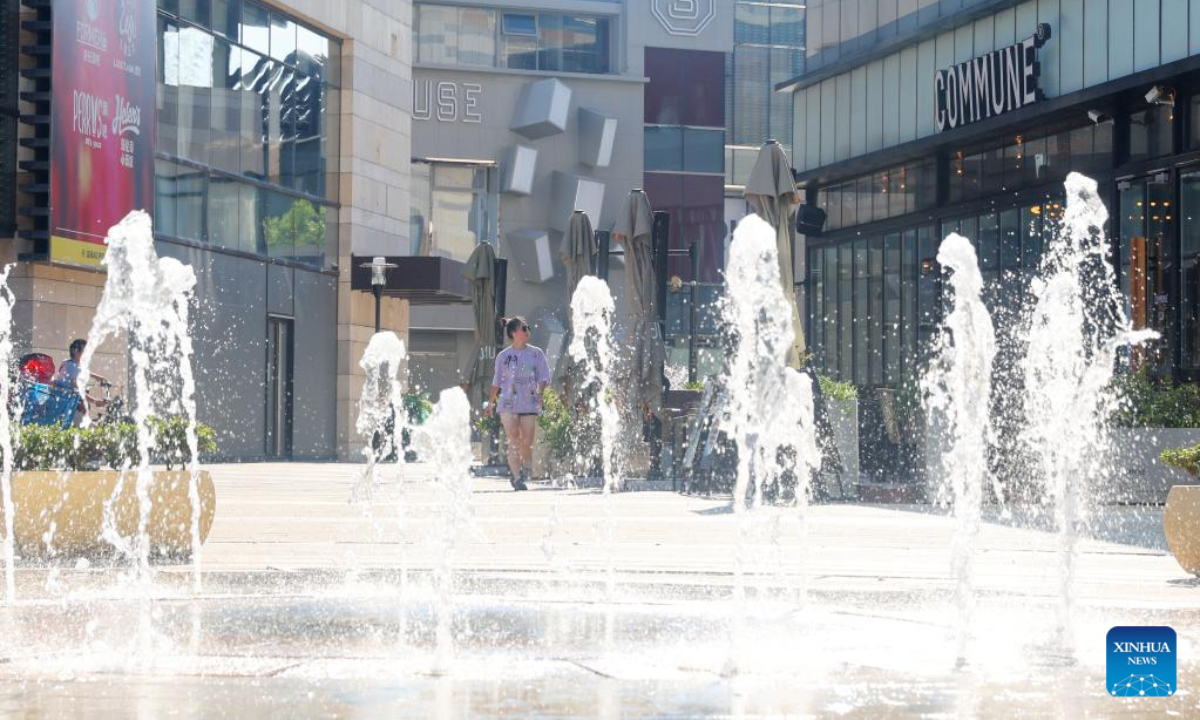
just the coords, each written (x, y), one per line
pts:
(279, 387)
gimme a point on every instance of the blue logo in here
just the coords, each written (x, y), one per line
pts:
(1141, 661)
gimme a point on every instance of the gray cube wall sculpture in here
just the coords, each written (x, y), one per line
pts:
(543, 109)
(518, 165)
(533, 253)
(597, 134)
(571, 193)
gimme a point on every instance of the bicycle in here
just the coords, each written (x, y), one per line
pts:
(114, 406)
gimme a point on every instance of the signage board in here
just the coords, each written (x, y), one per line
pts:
(103, 122)
(989, 85)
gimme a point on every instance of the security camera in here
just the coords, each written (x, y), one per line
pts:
(1159, 95)
(1100, 118)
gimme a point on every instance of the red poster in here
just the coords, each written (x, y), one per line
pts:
(102, 129)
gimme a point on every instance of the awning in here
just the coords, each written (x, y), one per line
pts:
(420, 280)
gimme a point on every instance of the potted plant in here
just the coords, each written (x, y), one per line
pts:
(1181, 517)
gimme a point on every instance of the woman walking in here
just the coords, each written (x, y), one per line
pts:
(520, 379)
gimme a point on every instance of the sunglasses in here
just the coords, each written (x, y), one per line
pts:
(524, 328)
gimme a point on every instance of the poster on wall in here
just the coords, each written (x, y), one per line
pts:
(102, 124)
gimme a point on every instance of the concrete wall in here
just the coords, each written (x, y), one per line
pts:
(616, 96)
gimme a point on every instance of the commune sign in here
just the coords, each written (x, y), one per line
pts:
(989, 85)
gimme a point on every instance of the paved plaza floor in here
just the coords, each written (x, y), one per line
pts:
(560, 601)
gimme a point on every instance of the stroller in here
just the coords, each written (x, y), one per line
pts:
(43, 401)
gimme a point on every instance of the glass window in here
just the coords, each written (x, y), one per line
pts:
(179, 201)
(991, 172)
(866, 200)
(1189, 268)
(226, 17)
(235, 111)
(278, 224)
(197, 11)
(862, 313)
(663, 148)
(460, 215)
(283, 38)
(926, 185)
(972, 171)
(928, 287)
(908, 294)
(419, 210)
(830, 200)
(879, 188)
(751, 113)
(1034, 164)
(787, 26)
(1029, 234)
(846, 311)
(831, 311)
(1150, 133)
(703, 150)
(256, 28)
(224, 211)
(987, 243)
(195, 93)
(891, 309)
(752, 24)
(849, 197)
(437, 34)
(226, 107)
(476, 37)
(895, 192)
(308, 172)
(1010, 244)
(816, 304)
(875, 310)
(520, 24)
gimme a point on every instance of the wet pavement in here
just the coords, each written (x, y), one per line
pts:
(311, 609)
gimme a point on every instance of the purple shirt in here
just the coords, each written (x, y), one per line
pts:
(518, 374)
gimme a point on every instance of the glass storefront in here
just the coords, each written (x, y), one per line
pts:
(876, 300)
(248, 106)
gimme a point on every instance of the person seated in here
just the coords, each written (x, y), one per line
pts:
(68, 375)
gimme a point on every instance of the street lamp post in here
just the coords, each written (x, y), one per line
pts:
(379, 267)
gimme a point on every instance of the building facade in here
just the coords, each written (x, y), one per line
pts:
(916, 119)
(279, 158)
(524, 111)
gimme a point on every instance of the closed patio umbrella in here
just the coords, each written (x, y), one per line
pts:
(771, 191)
(633, 231)
(577, 249)
(480, 274)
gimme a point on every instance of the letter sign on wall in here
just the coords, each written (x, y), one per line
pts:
(446, 101)
(1001, 81)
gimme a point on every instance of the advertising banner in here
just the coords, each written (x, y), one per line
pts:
(102, 128)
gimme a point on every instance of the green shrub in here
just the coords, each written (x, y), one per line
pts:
(105, 445)
(694, 385)
(837, 390)
(1187, 459)
(1146, 402)
(557, 425)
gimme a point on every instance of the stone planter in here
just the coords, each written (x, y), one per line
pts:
(68, 509)
(1181, 525)
(1139, 475)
